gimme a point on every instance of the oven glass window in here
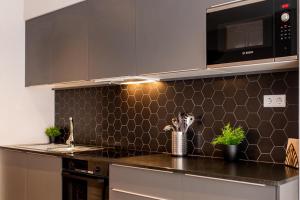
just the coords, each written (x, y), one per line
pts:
(244, 35)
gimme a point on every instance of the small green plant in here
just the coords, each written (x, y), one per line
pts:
(52, 131)
(230, 136)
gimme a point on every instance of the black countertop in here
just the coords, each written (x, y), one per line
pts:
(245, 171)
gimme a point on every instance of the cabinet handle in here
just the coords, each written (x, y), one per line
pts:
(226, 180)
(137, 194)
(145, 169)
(231, 4)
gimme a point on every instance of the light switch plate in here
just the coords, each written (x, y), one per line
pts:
(274, 101)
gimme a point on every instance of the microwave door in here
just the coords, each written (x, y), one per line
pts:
(240, 32)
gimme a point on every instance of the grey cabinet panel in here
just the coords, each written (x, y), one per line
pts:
(13, 172)
(170, 35)
(70, 44)
(195, 188)
(39, 50)
(111, 38)
(152, 183)
(43, 177)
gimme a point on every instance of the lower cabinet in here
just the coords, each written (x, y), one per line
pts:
(26, 176)
(141, 184)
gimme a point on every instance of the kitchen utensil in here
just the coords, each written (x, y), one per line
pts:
(169, 128)
(188, 121)
(175, 123)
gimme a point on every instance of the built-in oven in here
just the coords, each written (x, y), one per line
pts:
(250, 32)
(84, 180)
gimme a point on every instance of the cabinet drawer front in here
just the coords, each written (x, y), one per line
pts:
(206, 188)
(165, 185)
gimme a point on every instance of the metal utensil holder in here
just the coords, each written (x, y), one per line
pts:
(179, 143)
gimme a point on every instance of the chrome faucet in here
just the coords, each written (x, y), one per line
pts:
(70, 140)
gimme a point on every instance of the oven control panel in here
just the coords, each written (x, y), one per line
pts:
(286, 28)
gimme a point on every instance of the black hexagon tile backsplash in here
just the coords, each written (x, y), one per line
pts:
(133, 116)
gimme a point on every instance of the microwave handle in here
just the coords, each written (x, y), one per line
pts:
(231, 4)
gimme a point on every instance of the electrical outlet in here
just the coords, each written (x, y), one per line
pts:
(274, 101)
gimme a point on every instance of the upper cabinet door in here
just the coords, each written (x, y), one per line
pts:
(111, 38)
(170, 35)
(70, 44)
(38, 50)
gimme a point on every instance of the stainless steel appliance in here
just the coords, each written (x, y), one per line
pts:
(246, 32)
(86, 175)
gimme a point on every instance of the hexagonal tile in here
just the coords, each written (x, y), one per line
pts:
(253, 89)
(170, 106)
(253, 105)
(198, 85)
(278, 121)
(138, 94)
(229, 118)
(265, 80)
(229, 105)
(252, 120)
(188, 92)
(208, 134)
(229, 88)
(138, 107)
(197, 141)
(208, 149)
(265, 129)
(240, 97)
(146, 138)
(170, 93)
(291, 129)
(218, 112)
(265, 113)
(138, 118)
(207, 120)
(188, 106)
(265, 145)
(153, 119)
(292, 113)
(218, 98)
(279, 87)
(208, 91)
(279, 138)
(292, 79)
(208, 105)
(179, 99)
(146, 113)
(265, 158)
(252, 152)
(240, 82)
(146, 125)
(162, 100)
(162, 113)
(217, 127)
(240, 112)
(278, 154)
(252, 136)
(153, 95)
(198, 98)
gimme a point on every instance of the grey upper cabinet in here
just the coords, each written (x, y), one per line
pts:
(170, 35)
(38, 50)
(70, 44)
(111, 38)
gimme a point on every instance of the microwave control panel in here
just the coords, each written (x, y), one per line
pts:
(286, 28)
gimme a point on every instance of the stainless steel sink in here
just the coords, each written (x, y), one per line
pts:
(58, 148)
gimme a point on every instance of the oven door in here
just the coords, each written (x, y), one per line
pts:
(78, 186)
(240, 33)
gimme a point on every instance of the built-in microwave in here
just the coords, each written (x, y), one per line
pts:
(249, 32)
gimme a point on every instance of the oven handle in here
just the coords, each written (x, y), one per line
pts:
(83, 177)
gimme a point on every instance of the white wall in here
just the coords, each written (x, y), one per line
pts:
(34, 8)
(24, 112)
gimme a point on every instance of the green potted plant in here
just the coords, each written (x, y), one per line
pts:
(52, 132)
(230, 138)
